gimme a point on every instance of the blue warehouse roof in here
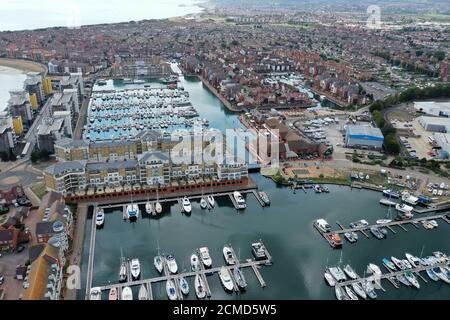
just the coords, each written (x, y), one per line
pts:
(364, 132)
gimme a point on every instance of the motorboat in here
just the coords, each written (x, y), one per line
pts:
(373, 268)
(123, 272)
(203, 204)
(399, 263)
(133, 211)
(432, 275)
(143, 293)
(228, 255)
(415, 261)
(200, 291)
(172, 264)
(158, 208)
(350, 293)
(370, 290)
(329, 279)
(412, 278)
(195, 263)
(184, 286)
(338, 274)
(100, 218)
(171, 290)
(240, 201)
(383, 221)
(240, 279)
(265, 198)
(388, 263)
(340, 295)
(113, 294)
(402, 279)
(359, 224)
(95, 294)
(187, 207)
(149, 208)
(211, 201)
(387, 202)
(391, 194)
(441, 274)
(135, 267)
(127, 294)
(259, 251)
(158, 263)
(205, 257)
(225, 279)
(409, 199)
(351, 237)
(350, 272)
(322, 225)
(403, 208)
(377, 233)
(358, 289)
(407, 264)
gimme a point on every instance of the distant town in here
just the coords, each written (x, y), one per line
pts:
(97, 124)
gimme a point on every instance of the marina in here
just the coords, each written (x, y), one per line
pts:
(204, 273)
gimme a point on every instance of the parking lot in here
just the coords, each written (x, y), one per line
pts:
(8, 263)
(418, 146)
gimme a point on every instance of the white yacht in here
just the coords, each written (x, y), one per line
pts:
(211, 201)
(133, 211)
(195, 263)
(239, 200)
(127, 293)
(100, 218)
(322, 225)
(225, 279)
(228, 255)
(96, 294)
(158, 262)
(404, 208)
(184, 286)
(171, 290)
(415, 261)
(143, 293)
(187, 207)
(158, 208)
(205, 257)
(203, 204)
(329, 279)
(149, 208)
(350, 272)
(172, 264)
(135, 267)
(373, 268)
(358, 288)
(200, 291)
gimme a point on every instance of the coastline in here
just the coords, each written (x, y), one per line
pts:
(23, 65)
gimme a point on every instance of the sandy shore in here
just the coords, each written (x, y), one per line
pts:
(24, 65)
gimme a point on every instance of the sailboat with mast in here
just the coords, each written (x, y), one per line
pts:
(158, 261)
(158, 206)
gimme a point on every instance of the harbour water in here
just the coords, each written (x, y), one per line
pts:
(300, 253)
(10, 79)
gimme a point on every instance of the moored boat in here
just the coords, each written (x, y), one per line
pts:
(351, 237)
(329, 279)
(195, 263)
(171, 291)
(149, 208)
(240, 279)
(340, 295)
(265, 198)
(225, 279)
(203, 204)
(172, 264)
(350, 293)
(158, 263)
(127, 293)
(358, 289)
(100, 218)
(240, 201)
(205, 257)
(228, 255)
(187, 207)
(415, 261)
(113, 294)
(402, 279)
(200, 291)
(158, 208)
(133, 211)
(184, 286)
(412, 279)
(135, 267)
(389, 264)
(95, 294)
(350, 272)
(143, 293)
(399, 263)
(211, 201)
(432, 275)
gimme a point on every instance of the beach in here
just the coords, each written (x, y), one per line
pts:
(23, 65)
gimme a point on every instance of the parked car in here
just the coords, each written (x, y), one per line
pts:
(20, 249)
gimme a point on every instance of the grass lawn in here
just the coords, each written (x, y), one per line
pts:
(39, 190)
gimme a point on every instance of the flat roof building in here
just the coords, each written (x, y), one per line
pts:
(364, 136)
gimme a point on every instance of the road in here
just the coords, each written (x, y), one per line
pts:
(82, 117)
